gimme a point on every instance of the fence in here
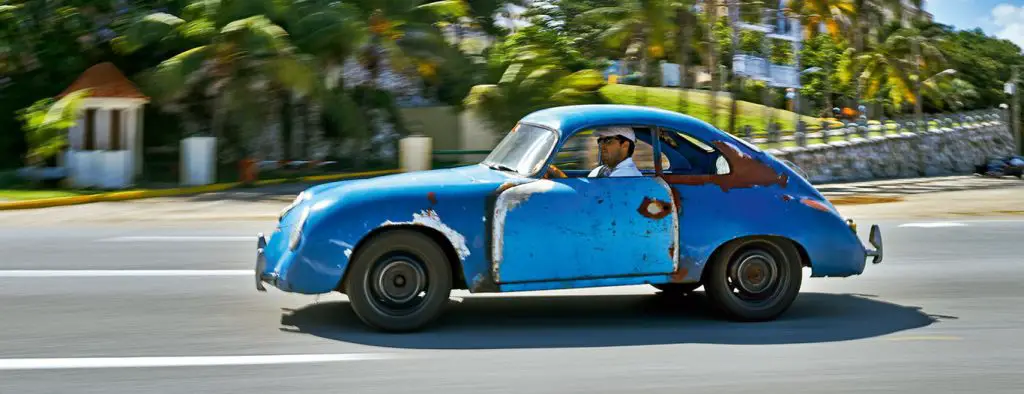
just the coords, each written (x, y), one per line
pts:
(871, 149)
(827, 131)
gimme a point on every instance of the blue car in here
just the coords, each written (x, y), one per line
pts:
(713, 211)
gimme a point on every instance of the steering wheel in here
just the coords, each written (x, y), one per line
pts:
(554, 172)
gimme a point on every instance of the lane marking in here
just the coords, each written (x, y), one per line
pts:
(116, 273)
(185, 361)
(933, 224)
(926, 338)
(167, 238)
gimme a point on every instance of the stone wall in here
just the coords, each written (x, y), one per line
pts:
(954, 148)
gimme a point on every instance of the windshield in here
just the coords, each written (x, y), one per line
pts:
(523, 150)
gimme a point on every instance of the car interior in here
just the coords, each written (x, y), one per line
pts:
(681, 153)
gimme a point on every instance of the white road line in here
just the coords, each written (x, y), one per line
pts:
(933, 224)
(211, 238)
(108, 273)
(149, 362)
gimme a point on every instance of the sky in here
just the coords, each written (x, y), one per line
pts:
(1000, 18)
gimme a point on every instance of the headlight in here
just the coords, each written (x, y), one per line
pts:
(296, 235)
(305, 195)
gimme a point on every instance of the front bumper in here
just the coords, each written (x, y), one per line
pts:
(261, 265)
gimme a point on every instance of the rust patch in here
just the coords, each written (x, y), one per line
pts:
(432, 197)
(504, 186)
(745, 172)
(815, 204)
(679, 275)
(671, 251)
(786, 197)
(654, 208)
(677, 199)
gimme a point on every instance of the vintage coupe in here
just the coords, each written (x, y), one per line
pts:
(721, 214)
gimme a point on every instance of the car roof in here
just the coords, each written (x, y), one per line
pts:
(570, 118)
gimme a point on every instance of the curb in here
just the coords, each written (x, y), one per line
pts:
(862, 199)
(142, 194)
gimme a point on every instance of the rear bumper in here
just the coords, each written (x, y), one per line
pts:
(875, 239)
(875, 250)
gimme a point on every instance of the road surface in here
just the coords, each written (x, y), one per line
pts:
(102, 308)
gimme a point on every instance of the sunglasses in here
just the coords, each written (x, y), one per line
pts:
(605, 140)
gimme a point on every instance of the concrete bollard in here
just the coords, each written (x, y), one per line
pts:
(415, 153)
(198, 161)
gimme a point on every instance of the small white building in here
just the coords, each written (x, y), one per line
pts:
(105, 145)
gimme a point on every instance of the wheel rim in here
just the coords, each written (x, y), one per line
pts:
(757, 277)
(398, 285)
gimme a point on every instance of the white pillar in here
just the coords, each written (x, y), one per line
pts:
(415, 153)
(102, 129)
(137, 132)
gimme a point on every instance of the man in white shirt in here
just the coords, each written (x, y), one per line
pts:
(616, 145)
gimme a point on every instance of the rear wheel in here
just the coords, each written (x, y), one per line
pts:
(399, 281)
(754, 279)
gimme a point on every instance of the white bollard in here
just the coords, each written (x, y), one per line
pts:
(415, 153)
(198, 161)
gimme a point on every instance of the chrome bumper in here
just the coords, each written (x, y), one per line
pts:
(261, 262)
(875, 238)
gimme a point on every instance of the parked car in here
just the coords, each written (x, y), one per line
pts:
(715, 212)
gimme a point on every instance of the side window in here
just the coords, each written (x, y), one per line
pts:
(698, 157)
(581, 152)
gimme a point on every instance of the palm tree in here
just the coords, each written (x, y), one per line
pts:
(636, 27)
(900, 63)
(242, 61)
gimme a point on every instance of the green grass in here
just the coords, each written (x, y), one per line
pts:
(697, 106)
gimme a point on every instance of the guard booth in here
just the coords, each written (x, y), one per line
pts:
(105, 145)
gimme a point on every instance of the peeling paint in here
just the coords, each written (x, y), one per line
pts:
(432, 197)
(745, 172)
(510, 196)
(429, 218)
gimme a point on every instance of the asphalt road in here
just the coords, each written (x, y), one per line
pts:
(944, 313)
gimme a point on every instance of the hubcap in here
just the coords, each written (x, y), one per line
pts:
(400, 280)
(755, 274)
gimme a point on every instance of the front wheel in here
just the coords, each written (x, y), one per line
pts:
(399, 281)
(754, 279)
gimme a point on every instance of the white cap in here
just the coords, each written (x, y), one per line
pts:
(613, 131)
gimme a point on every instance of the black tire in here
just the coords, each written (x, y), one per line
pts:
(676, 289)
(753, 300)
(412, 261)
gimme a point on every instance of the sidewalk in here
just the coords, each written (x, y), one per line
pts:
(905, 187)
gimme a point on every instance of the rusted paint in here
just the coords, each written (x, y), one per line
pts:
(505, 186)
(432, 197)
(745, 172)
(677, 199)
(679, 275)
(654, 208)
(786, 197)
(672, 251)
(815, 204)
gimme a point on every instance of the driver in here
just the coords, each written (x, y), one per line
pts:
(616, 146)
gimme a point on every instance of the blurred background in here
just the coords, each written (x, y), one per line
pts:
(118, 94)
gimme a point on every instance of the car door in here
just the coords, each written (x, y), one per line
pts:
(584, 228)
